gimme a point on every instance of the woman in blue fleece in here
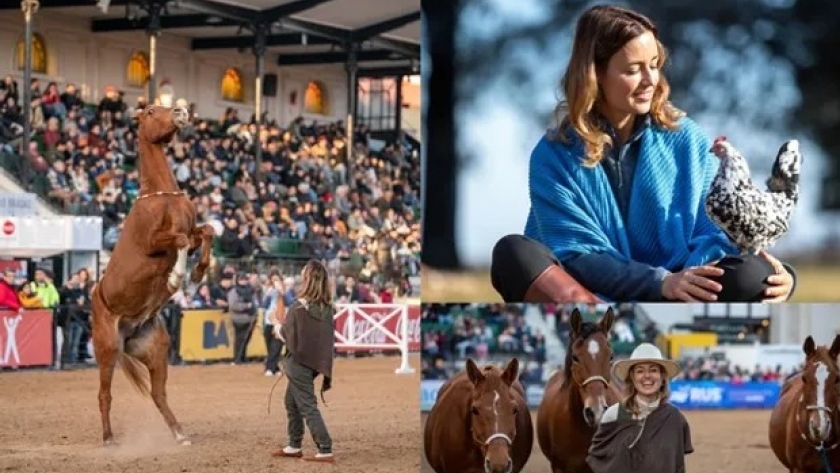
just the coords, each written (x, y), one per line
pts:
(617, 190)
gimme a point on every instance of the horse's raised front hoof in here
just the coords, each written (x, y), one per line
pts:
(182, 440)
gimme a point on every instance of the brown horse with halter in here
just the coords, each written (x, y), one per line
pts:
(146, 268)
(805, 425)
(575, 399)
(480, 423)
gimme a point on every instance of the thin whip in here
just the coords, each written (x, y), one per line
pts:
(271, 393)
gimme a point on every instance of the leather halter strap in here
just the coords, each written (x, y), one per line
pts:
(595, 378)
(821, 445)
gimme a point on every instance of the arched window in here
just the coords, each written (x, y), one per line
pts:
(232, 90)
(137, 73)
(315, 99)
(39, 54)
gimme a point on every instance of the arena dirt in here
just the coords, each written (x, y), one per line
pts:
(724, 442)
(49, 422)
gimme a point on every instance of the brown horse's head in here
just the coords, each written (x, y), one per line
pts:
(158, 124)
(493, 412)
(820, 390)
(588, 359)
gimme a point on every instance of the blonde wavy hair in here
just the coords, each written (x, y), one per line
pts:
(600, 33)
(315, 284)
(630, 390)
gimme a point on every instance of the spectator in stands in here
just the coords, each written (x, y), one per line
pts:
(75, 305)
(664, 438)
(203, 299)
(307, 194)
(29, 299)
(242, 305)
(437, 371)
(274, 303)
(8, 292)
(44, 287)
(220, 291)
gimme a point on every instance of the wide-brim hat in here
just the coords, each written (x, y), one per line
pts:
(646, 353)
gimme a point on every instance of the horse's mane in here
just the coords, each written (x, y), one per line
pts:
(587, 329)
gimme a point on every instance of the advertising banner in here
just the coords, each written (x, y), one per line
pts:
(365, 331)
(684, 394)
(26, 339)
(207, 335)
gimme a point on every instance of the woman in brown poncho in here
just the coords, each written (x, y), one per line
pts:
(308, 333)
(643, 432)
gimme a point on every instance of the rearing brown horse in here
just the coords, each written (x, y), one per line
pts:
(147, 266)
(805, 425)
(575, 399)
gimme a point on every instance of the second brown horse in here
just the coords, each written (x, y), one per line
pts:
(575, 399)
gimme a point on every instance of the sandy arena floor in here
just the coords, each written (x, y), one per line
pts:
(724, 442)
(49, 421)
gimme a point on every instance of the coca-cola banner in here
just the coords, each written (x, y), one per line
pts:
(376, 327)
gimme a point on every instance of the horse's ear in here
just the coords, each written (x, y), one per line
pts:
(138, 112)
(834, 351)
(607, 320)
(511, 372)
(576, 321)
(474, 373)
(809, 346)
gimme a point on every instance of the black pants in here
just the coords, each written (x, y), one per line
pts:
(273, 346)
(241, 336)
(518, 260)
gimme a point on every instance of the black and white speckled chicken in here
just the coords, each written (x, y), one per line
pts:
(753, 219)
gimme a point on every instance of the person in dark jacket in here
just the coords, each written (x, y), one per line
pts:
(309, 336)
(242, 305)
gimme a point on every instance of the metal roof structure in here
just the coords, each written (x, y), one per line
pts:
(384, 35)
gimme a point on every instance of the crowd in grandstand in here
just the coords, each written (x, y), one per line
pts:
(491, 333)
(360, 215)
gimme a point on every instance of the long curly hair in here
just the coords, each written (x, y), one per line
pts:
(600, 33)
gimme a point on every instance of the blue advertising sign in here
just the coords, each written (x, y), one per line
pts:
(724, 395)
(684, 394)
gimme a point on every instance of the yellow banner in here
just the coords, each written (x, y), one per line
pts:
(207, 335)
(672, 344)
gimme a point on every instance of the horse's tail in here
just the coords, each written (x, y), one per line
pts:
(136, 373)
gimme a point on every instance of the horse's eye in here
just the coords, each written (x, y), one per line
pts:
(474, 410)
(515, 410)
(575, 358)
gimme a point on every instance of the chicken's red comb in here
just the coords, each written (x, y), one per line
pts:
(720, 139)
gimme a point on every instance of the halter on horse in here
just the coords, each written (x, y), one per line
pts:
(480, 423)
(575, 400)
(804, 425)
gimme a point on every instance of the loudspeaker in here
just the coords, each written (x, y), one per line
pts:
(269, 85)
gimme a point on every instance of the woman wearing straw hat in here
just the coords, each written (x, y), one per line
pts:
(643, 432)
